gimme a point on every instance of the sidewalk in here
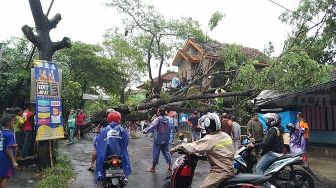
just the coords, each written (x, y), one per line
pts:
(322, 161)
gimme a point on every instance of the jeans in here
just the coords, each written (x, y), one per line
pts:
(195, 136)
(71, 135)
(266, 161)
(165, 152)
(27, 140)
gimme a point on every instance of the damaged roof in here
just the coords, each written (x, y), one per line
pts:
(322, 94)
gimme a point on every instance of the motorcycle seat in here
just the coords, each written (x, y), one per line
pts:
(291, 155)
(113, 157)
(243, 178)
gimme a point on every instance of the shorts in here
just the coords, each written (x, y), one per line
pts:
(6, 171)
(19, 139)
(79, 127)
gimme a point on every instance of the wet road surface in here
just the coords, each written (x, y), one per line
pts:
(140, 151)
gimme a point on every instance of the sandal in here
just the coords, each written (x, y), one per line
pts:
(151, 170)
(91, 169)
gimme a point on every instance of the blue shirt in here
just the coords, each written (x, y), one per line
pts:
(113, 140)
(6, 141)
(161, 128)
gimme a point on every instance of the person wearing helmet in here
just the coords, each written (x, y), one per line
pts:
(272, 146)
(217, 146)
(102, 124)
(113, 140)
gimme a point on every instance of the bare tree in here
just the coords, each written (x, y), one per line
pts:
(46, 49)
(43, 25)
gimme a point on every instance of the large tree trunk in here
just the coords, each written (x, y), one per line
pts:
(161, 101)
(46, 49)
(42, 40)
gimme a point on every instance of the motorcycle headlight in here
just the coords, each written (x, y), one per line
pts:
(178, 162)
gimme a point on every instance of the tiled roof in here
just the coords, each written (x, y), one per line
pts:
(167, 76)
(212, 47)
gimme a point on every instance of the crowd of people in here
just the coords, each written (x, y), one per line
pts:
(16, 139)
(23, 129)
(221, 138)
(18, 132)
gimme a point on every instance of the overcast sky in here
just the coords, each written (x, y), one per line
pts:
(251, 23)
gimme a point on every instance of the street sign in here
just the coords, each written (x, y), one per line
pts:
(96, 97)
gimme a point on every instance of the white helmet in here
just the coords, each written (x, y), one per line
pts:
(211, 121)
(109, 111)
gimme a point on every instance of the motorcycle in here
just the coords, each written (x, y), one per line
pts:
(114, 174)
(277, 174)
(244, 160)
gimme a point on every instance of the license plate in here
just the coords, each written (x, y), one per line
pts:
(114, 172)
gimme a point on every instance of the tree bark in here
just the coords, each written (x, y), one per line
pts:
(178, 98)
(149, 57)
(46, 49)
(43, 25)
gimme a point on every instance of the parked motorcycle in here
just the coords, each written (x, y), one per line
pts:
(244, 160)
(114, 174)
(278, 174)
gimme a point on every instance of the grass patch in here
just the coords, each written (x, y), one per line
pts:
(59, 176)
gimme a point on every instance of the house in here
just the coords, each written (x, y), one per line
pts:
(317, 103)
(193, 52)
(166, 80)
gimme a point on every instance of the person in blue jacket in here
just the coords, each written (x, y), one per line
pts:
(113, 140)
(161, 128)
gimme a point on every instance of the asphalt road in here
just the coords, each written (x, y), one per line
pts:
(140, 151)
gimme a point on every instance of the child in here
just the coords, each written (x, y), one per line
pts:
(7, 150)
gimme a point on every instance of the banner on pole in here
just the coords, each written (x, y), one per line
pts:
(49, 121)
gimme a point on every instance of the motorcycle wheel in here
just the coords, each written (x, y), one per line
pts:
(296, 179)
(167, 184)
(108, 184)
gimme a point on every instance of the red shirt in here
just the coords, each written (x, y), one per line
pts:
(80, 119)
(28, 117)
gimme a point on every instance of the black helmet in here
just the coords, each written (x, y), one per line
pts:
(290, 127)
(272, 119)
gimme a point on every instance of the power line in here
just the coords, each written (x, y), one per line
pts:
(280, 5)
(287, 9)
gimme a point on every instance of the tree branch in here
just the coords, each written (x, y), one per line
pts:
(201, 109)
(55, 20)
(160, 102)
(40, 19)
(65, 43)
(161, 62)
(28, 32)
(149, 57)
(126, 10)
